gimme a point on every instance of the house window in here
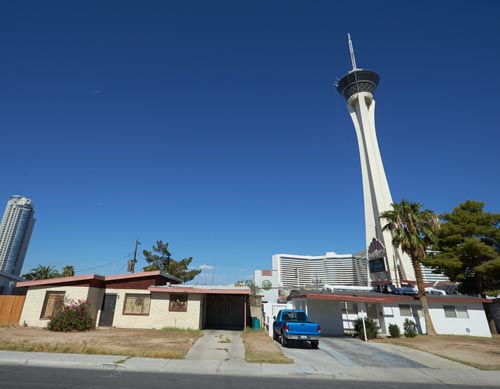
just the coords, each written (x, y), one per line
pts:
(462, 312)
(456, 312)
(417, 311)
(52, 304)
(178, 302)
(410, 310)
(404, 310)
(136, 304)
(350, 308)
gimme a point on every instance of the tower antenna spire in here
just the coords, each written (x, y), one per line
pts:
(351, 51)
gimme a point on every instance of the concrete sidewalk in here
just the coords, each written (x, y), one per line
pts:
(222, 353)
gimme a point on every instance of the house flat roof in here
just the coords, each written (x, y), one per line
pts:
(89, 277)
(202, 289)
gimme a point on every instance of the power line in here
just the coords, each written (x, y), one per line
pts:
(106, 264)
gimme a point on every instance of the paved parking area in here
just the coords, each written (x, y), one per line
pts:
(347, 352)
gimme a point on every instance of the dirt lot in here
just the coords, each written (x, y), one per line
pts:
(261, 348)
(483, 353)
(145, 343)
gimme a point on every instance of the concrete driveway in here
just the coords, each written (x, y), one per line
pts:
(347, 352)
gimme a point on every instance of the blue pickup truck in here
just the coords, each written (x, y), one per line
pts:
(294, 325)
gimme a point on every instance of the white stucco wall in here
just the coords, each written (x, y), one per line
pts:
(35, 297)
(328, 314)
(392, 315)
(476, 322)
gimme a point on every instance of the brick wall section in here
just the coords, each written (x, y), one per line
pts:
(34, 302)
(159, 315)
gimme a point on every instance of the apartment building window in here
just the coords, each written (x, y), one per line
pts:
(52, 304)
(137, 304)
(459, 312)
(178, 302)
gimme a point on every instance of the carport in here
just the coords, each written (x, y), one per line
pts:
(225, 312)
(213, 307)
(332, 310)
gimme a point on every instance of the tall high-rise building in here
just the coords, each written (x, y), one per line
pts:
(15, 233)
(358, 87)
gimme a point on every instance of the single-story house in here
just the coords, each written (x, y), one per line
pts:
(141, 300)
(337, 311)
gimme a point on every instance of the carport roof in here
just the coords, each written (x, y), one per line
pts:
(374, 297)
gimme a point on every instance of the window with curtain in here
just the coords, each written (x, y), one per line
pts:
(53, 303)
(137, 304)
(178, 302)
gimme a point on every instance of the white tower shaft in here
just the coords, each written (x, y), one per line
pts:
(377, 196)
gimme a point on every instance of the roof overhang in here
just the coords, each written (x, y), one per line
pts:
(200, 290)
(75, 280)
(385, 298)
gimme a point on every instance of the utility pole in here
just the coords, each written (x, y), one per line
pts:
(132, 262)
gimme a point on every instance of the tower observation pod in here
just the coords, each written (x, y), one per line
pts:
(386, 262)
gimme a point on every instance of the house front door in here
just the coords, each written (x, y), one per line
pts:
(107, 310)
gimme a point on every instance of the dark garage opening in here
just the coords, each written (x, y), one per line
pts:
(225, 312)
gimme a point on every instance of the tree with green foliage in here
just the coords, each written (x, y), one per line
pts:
(42, 273)
(254, 289)
(413, 230)
(161, 259)
(68, 271)
(468, 248)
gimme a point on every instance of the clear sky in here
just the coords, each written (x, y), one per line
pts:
(215, 126)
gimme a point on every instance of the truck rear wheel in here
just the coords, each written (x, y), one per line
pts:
(314, 344)
(284, 341)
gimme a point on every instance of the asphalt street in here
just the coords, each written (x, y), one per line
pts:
(45, 377)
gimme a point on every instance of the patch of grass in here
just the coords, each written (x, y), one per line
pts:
(83, 349)
(182, 330)
(261, 348)
(121, 360)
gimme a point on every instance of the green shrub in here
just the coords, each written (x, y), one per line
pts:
(410, 328)
(394, 331)
(371, 328)
(73, 316)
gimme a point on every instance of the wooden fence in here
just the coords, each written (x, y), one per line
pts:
(10, 309)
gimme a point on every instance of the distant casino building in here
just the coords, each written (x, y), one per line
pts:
(15, 233)
(305, 271)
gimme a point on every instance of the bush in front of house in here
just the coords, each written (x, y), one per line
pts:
(371, 328)
(394, 331)
(410, 328)
(73, 316)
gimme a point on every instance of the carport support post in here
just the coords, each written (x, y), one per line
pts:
(363, 317)
(245, 314)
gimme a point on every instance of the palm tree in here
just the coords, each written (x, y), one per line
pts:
(68, 271)
(413, 230)
(42, 273)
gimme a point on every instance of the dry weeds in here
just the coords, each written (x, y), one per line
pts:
(113, 341)
(482, 353)
(260, 348)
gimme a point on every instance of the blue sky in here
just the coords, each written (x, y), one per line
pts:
(215, 125)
